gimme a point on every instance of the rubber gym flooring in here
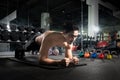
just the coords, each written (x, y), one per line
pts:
(96, 69)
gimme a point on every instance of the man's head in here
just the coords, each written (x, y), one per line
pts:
(71, 32)
(69, 27)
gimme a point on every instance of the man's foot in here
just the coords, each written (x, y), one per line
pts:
(75, 60)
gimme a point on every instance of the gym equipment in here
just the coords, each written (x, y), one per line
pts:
(22, 36)
(102, 44)
(100, 54)
(74, 48)
(114, 53)
(29, 29)
(81, 54)
(20, 28)
(93, 55)
(5, 35)
(13, 27)
(19, 51)
(108, 56)
(36, 30)
(14, 36)
(86, 55)
(28, 35)
(45, 66)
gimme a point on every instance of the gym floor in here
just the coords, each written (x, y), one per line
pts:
(96, 69)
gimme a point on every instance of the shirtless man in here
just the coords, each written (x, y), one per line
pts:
(54, 38)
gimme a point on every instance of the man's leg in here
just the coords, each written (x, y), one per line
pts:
(31, 44)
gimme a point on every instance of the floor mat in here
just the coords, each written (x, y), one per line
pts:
(34, 62)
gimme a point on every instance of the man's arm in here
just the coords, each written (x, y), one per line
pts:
(68, 50)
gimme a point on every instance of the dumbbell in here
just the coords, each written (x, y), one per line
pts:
(5, 35)
(22, 36)
(19, 52)
(14, 36)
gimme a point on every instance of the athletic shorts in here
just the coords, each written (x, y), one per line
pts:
(31, 44)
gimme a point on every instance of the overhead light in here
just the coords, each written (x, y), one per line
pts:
(82, 31)
(63, 11)
(96, 29)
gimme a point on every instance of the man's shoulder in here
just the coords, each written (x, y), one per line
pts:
(54, 33)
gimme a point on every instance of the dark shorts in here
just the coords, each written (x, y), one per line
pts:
(31, 44)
